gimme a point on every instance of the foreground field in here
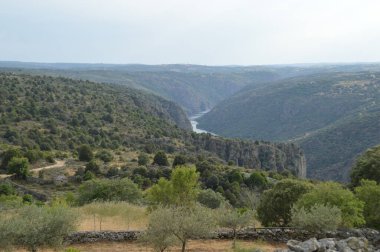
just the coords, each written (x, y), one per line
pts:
(194, 246)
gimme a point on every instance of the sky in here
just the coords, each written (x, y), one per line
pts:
(206, 32)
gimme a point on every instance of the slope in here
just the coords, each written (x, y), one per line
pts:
(321, 112)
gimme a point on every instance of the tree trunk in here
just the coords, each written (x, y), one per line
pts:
(234, 241)
(183, 246)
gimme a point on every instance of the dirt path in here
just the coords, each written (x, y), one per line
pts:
(59, 163)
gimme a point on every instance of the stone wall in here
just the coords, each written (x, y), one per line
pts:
(273, 235)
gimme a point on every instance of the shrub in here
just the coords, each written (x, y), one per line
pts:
(256, 180)
(369, 193)
(85, 153)
(317, 218)
(109, 190)
(367, 167)
(182, 189)
(37, 227)
(105, 156)
(160, 159)
(143, 159)
(93, 167)
(333, 194)
(210, 199)
(8, 155)
(275, 205)
(179, 160)
(6, 188)
(19, 166)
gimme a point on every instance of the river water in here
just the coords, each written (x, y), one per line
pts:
(194, 123)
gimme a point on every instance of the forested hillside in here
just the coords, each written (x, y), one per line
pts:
(48, 113)
(333, 116)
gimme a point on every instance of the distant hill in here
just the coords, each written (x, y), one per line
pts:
(333, 116)
(56, 113)
(194, 87)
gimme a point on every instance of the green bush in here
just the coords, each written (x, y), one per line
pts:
(369, 193)
(143, 159)
(37, 227)
(85, 153)
(179, 160)
(317, 218)
(105, 156)
(93, 167)
(6, 188)
(160, 159)
(333, 194)
(367, 167)
(19, 166)
(275, 205)
(210, 199)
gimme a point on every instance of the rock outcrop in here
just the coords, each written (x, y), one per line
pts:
(256, 154)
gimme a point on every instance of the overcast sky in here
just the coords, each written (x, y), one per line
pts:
(210, 32)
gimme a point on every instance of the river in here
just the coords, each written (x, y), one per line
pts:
(194, 123)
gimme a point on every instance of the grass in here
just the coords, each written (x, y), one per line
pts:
(193, 246)
(112, 216)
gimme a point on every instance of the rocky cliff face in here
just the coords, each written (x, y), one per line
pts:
(261, 155)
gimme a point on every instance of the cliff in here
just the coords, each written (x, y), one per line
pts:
(256, 154)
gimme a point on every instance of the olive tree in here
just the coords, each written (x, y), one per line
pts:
(171, 225)
(35, 227)
(235, 219)
(317, 218)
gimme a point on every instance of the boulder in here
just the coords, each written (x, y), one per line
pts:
(359, 244)
(310, 245)
(326, 244)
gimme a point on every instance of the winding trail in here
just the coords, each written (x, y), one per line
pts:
(58, 164)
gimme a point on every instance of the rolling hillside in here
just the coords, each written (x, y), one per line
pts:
(50, 113)
(333, 116)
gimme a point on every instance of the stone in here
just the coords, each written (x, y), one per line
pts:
(306, 246)
(359, 244)
(326, 244)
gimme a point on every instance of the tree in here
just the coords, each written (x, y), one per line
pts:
(35, 227)
(210, 199)
(160, 159)
(235, 219)
(109, 190)
(8, 155)
(19, 166)
(369, 193)
(143, 159)
(6, 188)
(367, 167)
(333, 194)
(318, 218)
(93, 167)
(105, 156)
(256, 180)
(275, 205)
(181, 189)
(179, 160)
(179, 223)
(85, 153)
